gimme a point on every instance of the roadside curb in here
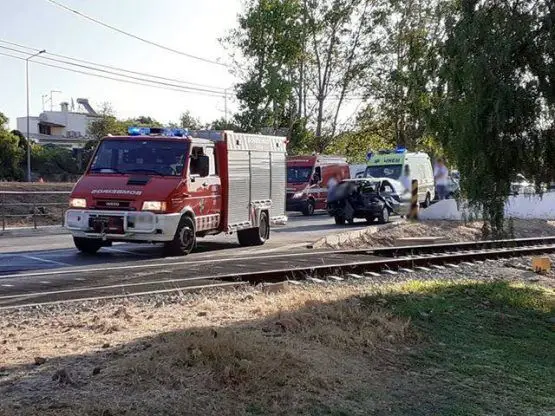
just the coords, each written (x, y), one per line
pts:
(30, 232)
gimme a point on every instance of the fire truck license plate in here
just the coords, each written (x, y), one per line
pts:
(108, 225)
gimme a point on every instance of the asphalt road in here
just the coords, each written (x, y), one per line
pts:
(31, 255)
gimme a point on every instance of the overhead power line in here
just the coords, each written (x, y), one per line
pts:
(117, 74)
(114, 67)
(152, 84)
(158, 45)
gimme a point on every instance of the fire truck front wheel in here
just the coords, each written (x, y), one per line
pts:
(255, 236)
(184, 240)
(87, 245)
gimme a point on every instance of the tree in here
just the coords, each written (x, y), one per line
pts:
(10, 153)
(297, 53)
(187, 121)
(496, 117)
(335, 33)
(106, 124)
(268, 38)
(406, 40)
(370, 134)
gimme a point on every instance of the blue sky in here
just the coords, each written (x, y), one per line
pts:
(191, 26)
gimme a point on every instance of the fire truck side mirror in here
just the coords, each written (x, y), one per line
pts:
(203, 165)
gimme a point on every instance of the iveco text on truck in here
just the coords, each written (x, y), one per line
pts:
(167, 186)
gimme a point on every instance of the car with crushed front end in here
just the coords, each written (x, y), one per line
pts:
(369, 199)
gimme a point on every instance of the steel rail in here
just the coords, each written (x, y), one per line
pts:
(273, 275)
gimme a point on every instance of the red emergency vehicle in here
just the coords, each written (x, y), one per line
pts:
(164, 186)
(310, 177)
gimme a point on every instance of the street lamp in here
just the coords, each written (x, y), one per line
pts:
(28, 136)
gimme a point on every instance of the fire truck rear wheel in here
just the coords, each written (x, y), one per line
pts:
(87, 245)
(184, 240)
(255, 236)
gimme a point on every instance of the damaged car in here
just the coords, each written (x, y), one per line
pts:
(368, 198)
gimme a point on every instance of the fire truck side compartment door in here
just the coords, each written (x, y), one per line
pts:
(257, 178)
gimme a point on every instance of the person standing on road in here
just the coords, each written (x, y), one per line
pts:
(441, 177)
(332, 183)
(406, 180)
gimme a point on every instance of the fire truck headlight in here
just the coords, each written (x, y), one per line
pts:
(78, 203)
(154, 206)
(298, 195)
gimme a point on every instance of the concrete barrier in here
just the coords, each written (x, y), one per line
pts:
(533, 207)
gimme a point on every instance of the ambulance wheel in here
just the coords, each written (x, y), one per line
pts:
(87, 245)
(339, 220)
(309, 209)
(384, 216)
(184, 240)
(255, 236)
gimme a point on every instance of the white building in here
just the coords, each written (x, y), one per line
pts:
(63, 128)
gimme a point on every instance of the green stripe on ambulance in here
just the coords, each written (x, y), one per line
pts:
(384, 160)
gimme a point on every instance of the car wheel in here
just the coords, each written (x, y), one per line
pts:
(184, 240)
(87, 245)
(339, 220)
(384, 216)
(309, 209)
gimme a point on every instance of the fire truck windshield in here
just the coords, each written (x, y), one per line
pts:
(151, 157)
(298, 174)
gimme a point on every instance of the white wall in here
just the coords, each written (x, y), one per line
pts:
(518, 207)
(33, 125)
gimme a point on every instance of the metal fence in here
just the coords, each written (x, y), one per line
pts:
(30, 209)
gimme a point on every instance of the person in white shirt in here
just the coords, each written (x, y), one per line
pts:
(441, 176)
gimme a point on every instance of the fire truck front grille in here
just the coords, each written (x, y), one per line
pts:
(115, 205)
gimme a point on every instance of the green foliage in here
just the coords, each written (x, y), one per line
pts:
(301, 138)
(496, 117)
(107, 124)
(52, 161)
(222, 124)
(187, 121)
(268, 37)
(11, 154)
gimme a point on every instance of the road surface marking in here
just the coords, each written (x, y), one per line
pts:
(7, 285)
(59, 263)
(113, 267)
(126, 252)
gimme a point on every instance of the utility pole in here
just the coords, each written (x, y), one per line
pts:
(28, 136)
(225, 105)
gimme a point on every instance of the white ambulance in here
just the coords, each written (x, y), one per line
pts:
(391, 164)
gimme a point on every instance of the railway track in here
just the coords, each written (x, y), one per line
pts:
(198, 275)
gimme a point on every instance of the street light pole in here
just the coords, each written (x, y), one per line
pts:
(28, 136)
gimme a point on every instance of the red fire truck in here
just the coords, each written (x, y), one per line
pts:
(309, 179)
(167, 186)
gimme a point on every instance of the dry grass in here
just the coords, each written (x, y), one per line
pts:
(35, 186)
(452, 230)
(231, 353)
(346, 349)
(16, 204)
